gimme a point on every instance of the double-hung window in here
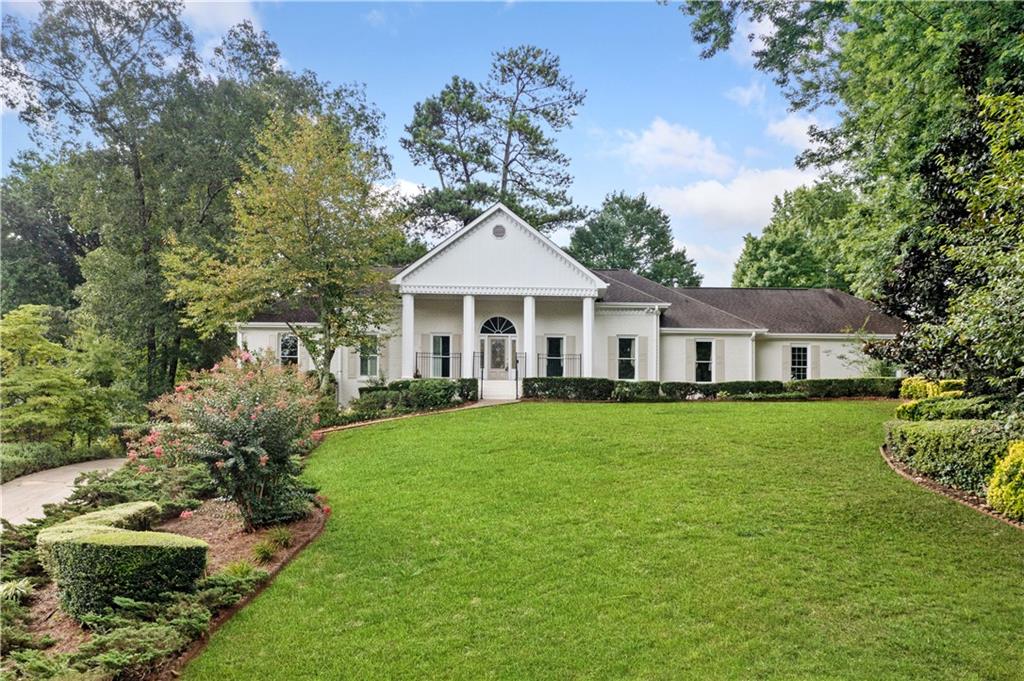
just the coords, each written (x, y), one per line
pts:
(627, 358)
(702, 371)
(368, 359)
(441, 357)
(798, 362)
(555, 366)
(288, 349)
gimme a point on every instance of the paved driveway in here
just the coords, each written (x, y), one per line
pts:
(23, 498)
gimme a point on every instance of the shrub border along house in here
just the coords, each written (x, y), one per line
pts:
(98, 556)
(603, 389)
(1006, 488)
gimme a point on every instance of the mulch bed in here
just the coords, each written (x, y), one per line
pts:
(218, 524)
(966, 498)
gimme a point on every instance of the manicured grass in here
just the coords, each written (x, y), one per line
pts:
(665, 541)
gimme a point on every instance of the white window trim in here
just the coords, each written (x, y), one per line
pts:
(619, 358)
(807, 361)
(554, 335)
(375, 356)
(433, 356)
(280, 340)
(711, 360)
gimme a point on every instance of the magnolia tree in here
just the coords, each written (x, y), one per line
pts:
(247, 418)
(312, 229)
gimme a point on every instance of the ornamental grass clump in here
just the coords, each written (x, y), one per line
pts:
(247, 418)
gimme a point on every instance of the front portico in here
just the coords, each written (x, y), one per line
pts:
(497, 301)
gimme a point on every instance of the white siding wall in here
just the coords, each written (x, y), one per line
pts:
(735, 356)
(609, 323)
(835, 357)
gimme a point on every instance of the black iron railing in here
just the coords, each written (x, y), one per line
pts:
(514, 370)
(439, 366)
(558, 365)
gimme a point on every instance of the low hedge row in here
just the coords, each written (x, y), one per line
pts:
(603, 389)
(937, 408)
(960, 453)
(406, 397)
(99, 556)
(22, 458)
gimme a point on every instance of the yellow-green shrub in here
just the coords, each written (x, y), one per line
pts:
(918, 388)
(1006, 488)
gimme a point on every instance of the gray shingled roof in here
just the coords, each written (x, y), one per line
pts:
(799, 310)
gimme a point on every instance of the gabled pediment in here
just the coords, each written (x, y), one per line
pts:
(499, 253)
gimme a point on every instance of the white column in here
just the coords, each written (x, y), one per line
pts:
(408, 335)
(468, 335)
(753, 356)
(529, 334)
(587, 346)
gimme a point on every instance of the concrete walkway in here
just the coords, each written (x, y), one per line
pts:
(23, 498)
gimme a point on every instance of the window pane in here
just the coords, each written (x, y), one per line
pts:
(703, 374)
(625, 347)
(288, 353)
(554, 347)
(627, 370)
(798, 363)
(442, 345)
(703, 351)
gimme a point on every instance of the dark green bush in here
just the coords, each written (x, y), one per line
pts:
(430, 393)
(679, 390)
(960, 453)
(847, 387)
(586, 389)
(99, 556)
(469, 389)
(368, 389)
(636, 391)
(22, 458)
(936, 408)
(400, 384)
(763, 397)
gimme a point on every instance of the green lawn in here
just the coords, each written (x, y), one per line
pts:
(666, 541)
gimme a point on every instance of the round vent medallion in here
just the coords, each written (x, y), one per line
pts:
(498, 231)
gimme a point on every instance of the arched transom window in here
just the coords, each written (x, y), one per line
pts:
(498, 325)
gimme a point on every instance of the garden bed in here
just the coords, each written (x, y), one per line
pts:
(215, 522)
(974, 501)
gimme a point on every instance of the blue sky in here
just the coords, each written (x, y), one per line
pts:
(710, 141)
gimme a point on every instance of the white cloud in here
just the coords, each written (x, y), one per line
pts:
(743, 47)
(743, 204)
(746, 96)
(407, 188)
(664, 145)
(792, 130)
(375, 18)
(210, 16)
(716, 264)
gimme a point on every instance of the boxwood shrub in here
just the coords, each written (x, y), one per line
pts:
(1006, 489)
(102, 555)
(636, 391)
(469, 389)
(763, 397)
(562, 388)
(678, 390)
(960, 453)
(22, 458)
(935, 408)
(430, 393)
(882, 386)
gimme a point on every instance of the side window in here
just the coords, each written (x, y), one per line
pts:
(368, 359)
(627, 358)
(703, 373)
(798, 362)
(288, 349)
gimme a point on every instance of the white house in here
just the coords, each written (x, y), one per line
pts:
(499, 301)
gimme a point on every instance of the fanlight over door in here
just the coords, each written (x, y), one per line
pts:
(498, 326)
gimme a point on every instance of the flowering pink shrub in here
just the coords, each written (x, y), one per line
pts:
(246, 419)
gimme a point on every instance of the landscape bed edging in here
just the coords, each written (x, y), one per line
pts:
(967, 499)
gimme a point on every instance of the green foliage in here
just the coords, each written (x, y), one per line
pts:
(248, 417)
(130, 651)
(264, 551)
(960, 453)
(631, 234)
(16, 591)
(562, 388)
(495, 142)
(281, 537)
(173, 488)
(939, 407)
(802, 245)
(762, 397)
(469, 389)
(22, 458)
(1006, 488)
(636, 391)
(918, 387)
(99, 556)
(847, 387)
(430, 393)
(678, 390)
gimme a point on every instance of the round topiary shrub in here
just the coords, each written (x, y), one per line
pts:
(1006, 488)
(98, 556)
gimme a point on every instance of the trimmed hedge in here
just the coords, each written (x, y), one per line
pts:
(22, 458)
(936, 408)
(1006, 488)
(918, 387)
(583, 389)
(678, 390)
(961, 453)
(430, 393)
(847, 387)
(105, 554)
(764, 397)
(469, 389)
(636, 391)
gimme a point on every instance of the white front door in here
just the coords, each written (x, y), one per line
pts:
(500, 357)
